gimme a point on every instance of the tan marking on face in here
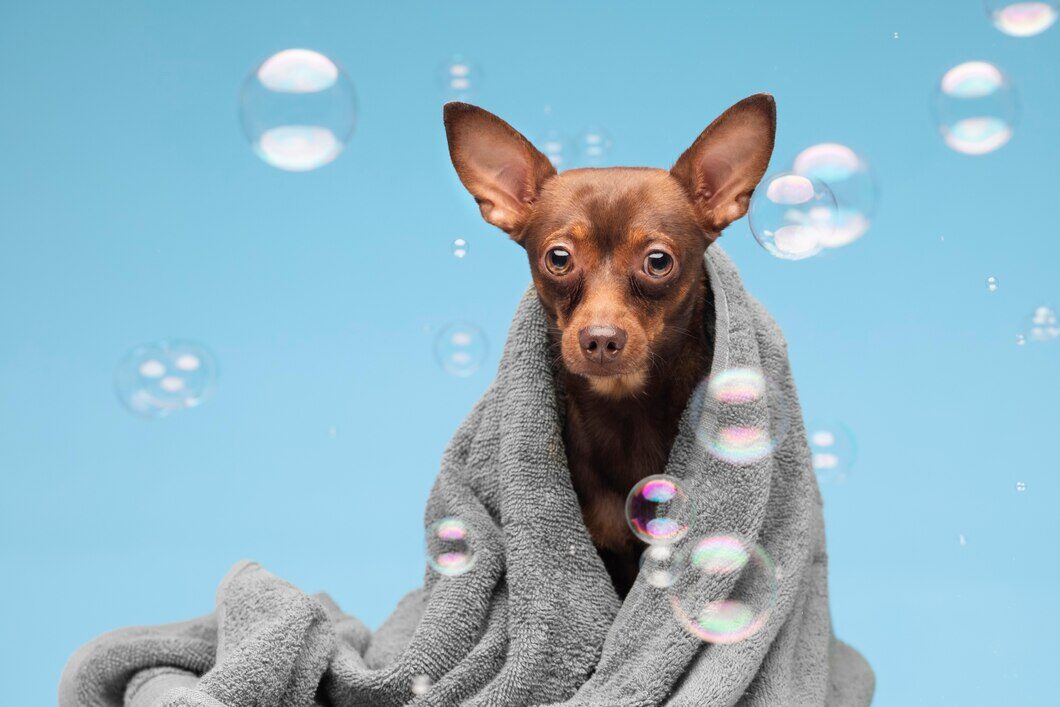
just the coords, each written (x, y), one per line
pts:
(619, 386)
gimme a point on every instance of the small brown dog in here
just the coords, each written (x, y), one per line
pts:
(617, 259)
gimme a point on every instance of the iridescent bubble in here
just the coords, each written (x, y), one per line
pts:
(556, 147)
(1043, 325)
(460, 348)
(450, 550)
(594, 146)
(156, 379)
(792, 216)
(727, 564)
(657, 566)
(298, 110)
(832, 449)
(1022, 19)
(848, 176)
(421, 684)
(658, 510)
(459, 247)
(459, 78)
(732, 396)
(991, 284)
(975, 108)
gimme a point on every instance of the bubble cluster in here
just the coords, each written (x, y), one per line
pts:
(792, 216)
(658, 510)
(298, 110)
(156, 379)
(1022, 19)
(459, 78)
(727, 564)
(1043, 325)
(744, 416)
(975, 107)
(460, 348)
(450, 550)
(848, 176)
(459, 248)
(594, 146)
(832, 449)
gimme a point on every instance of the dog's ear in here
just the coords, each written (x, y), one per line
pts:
(500, 167)
(727, 160)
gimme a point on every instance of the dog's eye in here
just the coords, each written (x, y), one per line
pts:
(559, 261)
(658, 263)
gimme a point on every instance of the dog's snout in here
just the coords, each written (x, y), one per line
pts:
(601, 343)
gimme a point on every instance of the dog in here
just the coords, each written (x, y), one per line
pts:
(616, 256)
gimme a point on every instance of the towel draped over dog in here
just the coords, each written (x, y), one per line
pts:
(536, 621)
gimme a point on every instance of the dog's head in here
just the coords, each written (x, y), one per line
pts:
(616, 254)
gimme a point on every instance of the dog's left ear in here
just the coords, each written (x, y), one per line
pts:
(727, 160)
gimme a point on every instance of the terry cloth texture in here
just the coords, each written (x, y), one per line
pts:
(536, 621)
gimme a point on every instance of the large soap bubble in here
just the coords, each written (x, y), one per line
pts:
(659, 510)
(160, 378)
(792, 216)
(298, 110)
(850, 179)
(975, 108)
(1021, 19)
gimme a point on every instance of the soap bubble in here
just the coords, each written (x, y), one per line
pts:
(659, 510)
(709, 569)
(991, 284)
(744, 416)
(298, 110)
(792, 216)
(594, 146)
(657, 566)
(832, 449)
(450, 550)
(156, 379)
(421, 684)
(975, 107)
(1021, 486)
(1043, 325)
(459, 78)
(1021, 19)
(1020, 340)
(556, 147)
(460, 348)
(459, 247)
(848, 176)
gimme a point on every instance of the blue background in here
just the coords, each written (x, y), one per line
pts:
(132, 209)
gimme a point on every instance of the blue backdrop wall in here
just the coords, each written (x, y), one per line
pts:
(132, 209)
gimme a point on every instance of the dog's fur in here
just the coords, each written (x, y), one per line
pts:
(616, 256)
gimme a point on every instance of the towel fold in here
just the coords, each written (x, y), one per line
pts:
(536, 620)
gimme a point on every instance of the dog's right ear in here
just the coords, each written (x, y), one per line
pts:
(500, 167)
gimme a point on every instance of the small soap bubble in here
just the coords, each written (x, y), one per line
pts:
(1043, 325)
(961, 540)
(298, 110)
(658, 510)
(460, 348)
(991, 284)
(459, 78)
(459, 247)
(975, 108)
(792, 216)
(848, 176)
(1021, 486)
(724, 563)
(594, 146)
(450, 550)
(1022, 19)
(657, 566)
(744, 416)
(156, 379)
(896, 35)
(1020, 340)
(832, 449)
(420, 685)
(555, 145)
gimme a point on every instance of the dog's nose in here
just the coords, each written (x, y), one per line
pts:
(601, 343)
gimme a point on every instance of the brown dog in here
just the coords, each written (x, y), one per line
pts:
(617, 259)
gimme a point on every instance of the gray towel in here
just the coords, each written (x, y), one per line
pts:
(536, 621)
